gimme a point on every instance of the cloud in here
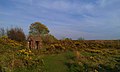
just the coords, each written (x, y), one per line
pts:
(92, 19)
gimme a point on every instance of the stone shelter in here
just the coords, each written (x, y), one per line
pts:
(34, 42)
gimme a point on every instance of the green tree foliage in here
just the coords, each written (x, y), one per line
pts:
(38, 28)
(16, 34)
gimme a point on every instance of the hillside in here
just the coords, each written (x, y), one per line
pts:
(60, 56)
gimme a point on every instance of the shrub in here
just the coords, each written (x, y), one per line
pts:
(5, 41)
(16, 34)
(48, 39)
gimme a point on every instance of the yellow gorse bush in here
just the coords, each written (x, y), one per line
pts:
(6, 41)
(13, 43)
(26, 54)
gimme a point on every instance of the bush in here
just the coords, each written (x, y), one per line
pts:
(48, 39)
(16, 34)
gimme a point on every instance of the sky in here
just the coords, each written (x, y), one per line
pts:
(91, 19)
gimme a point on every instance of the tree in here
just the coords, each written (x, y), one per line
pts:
(81, 38)
(2, 32)
(38, 28)
(16, 34)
